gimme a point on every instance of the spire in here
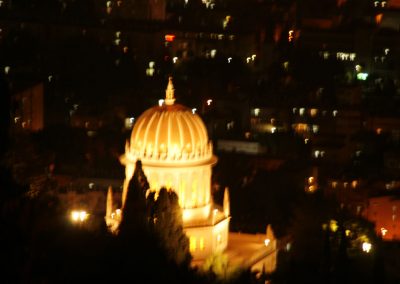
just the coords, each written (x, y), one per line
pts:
(109, 202)
(226, 204)
(169, 93)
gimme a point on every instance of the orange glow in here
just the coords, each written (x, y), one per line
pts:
(378, 18)
(169, 38)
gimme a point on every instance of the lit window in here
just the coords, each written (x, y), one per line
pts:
(366, 247)
(256, 111)
(313, 112)
(290, 35)
(286, 65)
(378, 18)
(129, 122)
(226, 21)
(201, 243)
(301, 111)
(362, 76)
(333, 225)
(192, 244)
(213, 53)
(169, 38)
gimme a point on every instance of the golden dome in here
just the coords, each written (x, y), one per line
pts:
(170, 132)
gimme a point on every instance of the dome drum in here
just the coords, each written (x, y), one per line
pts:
(176, 154)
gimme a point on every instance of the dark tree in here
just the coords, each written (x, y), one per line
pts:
(169, 227)
(135, 207)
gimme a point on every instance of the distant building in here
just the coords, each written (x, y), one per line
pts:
(384, 212)
(28, 109)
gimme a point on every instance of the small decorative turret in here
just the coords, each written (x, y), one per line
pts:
(169, 93)
(226, 204)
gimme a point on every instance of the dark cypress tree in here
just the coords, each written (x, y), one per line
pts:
(168, 226)
(134, 213)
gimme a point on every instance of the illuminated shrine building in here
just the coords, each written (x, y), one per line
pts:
(172, 143)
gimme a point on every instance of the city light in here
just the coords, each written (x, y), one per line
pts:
(79, 216)
(169, 38)
(362, 76)
(366, 247)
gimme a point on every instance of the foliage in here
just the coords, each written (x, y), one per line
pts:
(168, 225)
(216, 263)
(134, 216)
(160, 215)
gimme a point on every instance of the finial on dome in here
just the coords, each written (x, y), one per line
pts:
(169, 93)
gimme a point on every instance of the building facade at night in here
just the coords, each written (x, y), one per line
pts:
(172, 143)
